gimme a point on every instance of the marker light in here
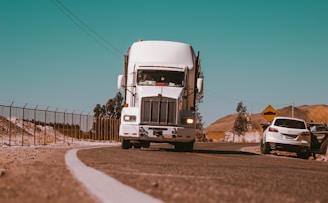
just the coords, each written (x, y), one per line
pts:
(129, 118)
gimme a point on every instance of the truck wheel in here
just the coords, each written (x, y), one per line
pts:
(189, 147)
(126, 144)
(145, 144)
(178, 147)
(184, 147)
(137, 145)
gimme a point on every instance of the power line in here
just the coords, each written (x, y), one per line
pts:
(85, 28)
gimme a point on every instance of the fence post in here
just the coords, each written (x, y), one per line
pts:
(45, 126)
(114, 129)
(55, 125)
(80, 125)
(87, 125)
(111, 129)
(64, 125)
(108, 129)
(99, 128)
(118, 129)
(23, 124)
(105, 129)
(72, 124)
(34, 123)
(97, 135)
(10, 122)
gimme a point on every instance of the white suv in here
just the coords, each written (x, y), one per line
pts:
(287, 134)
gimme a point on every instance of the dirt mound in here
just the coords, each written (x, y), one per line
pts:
(318, 113)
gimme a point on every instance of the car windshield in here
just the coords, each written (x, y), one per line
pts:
(288, 123)
(160, 78)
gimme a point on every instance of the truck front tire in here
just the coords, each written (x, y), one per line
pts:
(126, 144)
(184, 147)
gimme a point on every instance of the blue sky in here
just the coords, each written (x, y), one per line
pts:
(259, 52)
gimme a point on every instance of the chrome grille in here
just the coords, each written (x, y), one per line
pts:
(158, 111)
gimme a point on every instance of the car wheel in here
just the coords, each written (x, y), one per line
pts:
(266, 148)
(304, 154)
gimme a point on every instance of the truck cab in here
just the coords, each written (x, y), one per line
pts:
(160, 83)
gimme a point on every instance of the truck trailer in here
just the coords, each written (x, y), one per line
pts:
(161, 81)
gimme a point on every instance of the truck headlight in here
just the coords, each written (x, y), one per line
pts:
(188, 121)
(129, 118)
(187, 118)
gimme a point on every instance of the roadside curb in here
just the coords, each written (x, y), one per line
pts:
(255, 149)
(102, 186)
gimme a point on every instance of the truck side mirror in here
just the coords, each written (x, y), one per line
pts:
(120, 82)
(200, 84)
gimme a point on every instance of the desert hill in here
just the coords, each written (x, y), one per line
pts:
(318, 113)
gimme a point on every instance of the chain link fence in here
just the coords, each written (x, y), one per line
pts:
(22, 126)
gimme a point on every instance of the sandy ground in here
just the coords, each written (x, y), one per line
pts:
(38, 174)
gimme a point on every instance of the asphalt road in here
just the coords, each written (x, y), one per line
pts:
(212, 173)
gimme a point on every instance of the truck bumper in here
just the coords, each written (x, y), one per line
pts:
(165, 134)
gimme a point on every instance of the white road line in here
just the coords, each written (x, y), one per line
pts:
(103, 187)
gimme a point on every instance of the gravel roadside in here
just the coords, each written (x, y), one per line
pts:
(38, 174)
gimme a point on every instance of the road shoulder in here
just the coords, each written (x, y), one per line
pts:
(38, 174)
(101, 186)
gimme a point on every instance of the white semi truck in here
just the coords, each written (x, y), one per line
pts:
(161, 81)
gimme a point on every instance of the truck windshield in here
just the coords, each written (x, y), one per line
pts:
(160, 78)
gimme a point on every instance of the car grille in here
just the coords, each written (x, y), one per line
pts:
(158, 111)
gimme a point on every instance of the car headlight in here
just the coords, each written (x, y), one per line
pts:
(129, 118)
